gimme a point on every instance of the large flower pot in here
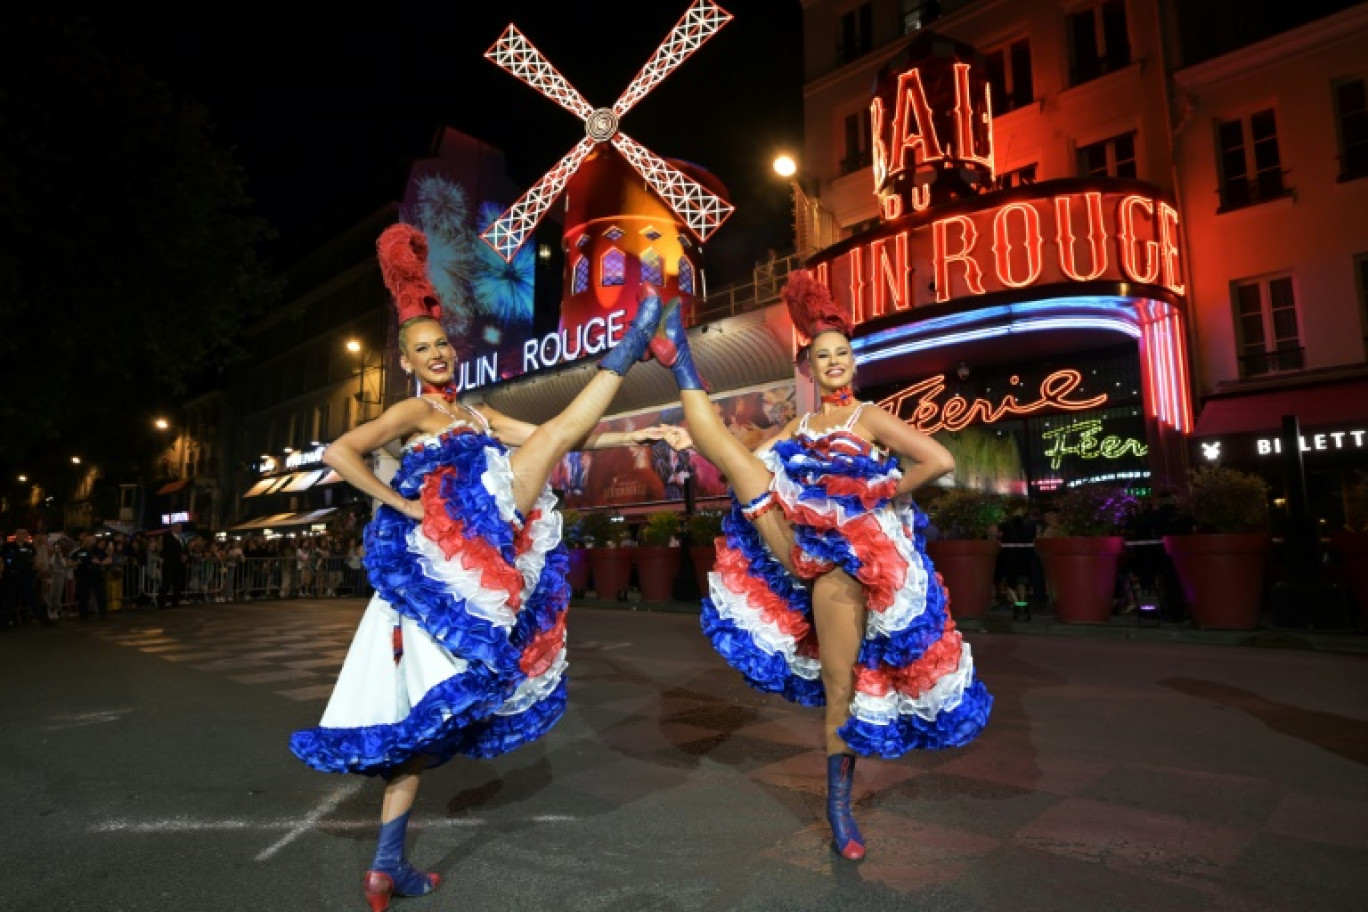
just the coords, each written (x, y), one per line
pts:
(612, 570)
(578, 575)
(1351, 562)
(1081, 575)
(1222, 576)
(704, 558)
(657, 566)
(966, 568)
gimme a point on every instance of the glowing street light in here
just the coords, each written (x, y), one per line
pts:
(813, 226)
(23, 479)
(785, 166)
(162, 424)
(75, 460)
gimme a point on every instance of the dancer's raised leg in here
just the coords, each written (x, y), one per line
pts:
(534, 461)
(747, 475)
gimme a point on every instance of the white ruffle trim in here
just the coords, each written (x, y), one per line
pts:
(942, 696)
(734, 607)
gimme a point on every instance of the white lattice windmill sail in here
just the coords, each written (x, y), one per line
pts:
(699, 208)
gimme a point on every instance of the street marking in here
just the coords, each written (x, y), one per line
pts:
(94, 718)
(308, 823)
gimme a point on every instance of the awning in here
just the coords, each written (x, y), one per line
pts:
(331, 478)
(260, 487)
(302, 481)
(171, 487)
(1314, 406)
(281, 520)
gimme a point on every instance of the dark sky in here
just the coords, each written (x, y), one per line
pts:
(326, 112)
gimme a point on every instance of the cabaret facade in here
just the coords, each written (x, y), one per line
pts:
(1015, 264)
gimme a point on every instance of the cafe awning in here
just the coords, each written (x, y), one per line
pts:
(1315, 406)
(284, 520)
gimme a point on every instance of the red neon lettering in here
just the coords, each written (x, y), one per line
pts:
(942, 257)
(1126, 233)
(928, 416)
(1064, 237)
(964, 120)
(892, 206)
(1033, 244)
(913, 129)
(879, 151)
(858, 302)
(892, 274)
(1168, 245)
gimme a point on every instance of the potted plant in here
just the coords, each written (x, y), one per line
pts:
(965, 553)
(1350, 545)
(1080, 549)
(705, 527)
(658, 555)
(611, 565)
(1220, 565)
(572, 533)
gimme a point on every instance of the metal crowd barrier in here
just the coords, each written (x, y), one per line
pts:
(134, 586)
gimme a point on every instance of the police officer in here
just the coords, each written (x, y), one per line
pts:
(18, 587)
(90, 562)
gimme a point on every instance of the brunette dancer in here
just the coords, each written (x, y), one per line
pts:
(823, 591)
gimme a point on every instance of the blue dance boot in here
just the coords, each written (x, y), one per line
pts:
(635, 342)
(392, 875)
(671, 348)
(846, 838)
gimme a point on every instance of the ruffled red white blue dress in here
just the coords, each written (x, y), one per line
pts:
(915, 686)
(462, 648)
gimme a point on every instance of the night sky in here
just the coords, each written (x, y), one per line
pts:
(325, 113)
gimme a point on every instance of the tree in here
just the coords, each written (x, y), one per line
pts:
(128, 248)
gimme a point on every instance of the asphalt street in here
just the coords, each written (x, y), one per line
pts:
(144, 766)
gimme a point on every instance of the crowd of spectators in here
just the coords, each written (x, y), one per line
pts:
(80, 574)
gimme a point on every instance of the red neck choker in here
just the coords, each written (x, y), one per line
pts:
(843, 396)
(448, 392)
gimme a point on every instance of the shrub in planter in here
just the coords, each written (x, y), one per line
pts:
(704, 528)
(658, 555)
(965, 554)
(612, 566)
(1081, 550)
(572, 533)
(1220, 566)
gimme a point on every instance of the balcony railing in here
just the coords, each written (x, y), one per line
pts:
(1272, 362)
(1242, 192)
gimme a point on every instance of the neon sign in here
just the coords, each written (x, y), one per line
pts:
(917, 405)
(1330, 440)
(1050, 239)
(1084, 440)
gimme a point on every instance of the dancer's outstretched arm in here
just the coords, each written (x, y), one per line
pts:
(514, 433)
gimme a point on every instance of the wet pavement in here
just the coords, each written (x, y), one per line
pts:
(143, 765)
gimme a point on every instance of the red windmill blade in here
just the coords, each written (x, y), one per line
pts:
(699, 208)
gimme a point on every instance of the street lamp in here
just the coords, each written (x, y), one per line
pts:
(814, 227)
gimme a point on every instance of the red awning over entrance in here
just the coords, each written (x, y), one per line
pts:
(1314, 406)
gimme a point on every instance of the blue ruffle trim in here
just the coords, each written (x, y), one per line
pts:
(456, 716)
(953, 728)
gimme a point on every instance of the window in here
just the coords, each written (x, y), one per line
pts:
(857, 33)
(1266, 325)
(686, 276)
(918, 14)
(614, 268)
(1113, 157)
(1247, 154)
(1009, 76)
(581, 273)
(1098, 41)
(1351, 114)
(319, 430)
(1361, 268)
(857, 145)
(652, 267)
(1021, 177)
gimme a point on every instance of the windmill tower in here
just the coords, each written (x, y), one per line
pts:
(617, 234)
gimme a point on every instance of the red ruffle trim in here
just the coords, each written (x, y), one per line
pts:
(475, 553)
(882, 569)
(543, 649)
(941, 658)
(733, 566)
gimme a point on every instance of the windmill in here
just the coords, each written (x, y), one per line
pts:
(701, 210)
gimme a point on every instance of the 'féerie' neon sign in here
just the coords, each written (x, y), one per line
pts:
(1083, 439)
(929, 416)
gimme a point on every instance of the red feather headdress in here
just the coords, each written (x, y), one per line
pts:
(403, 251)
(812, 308)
